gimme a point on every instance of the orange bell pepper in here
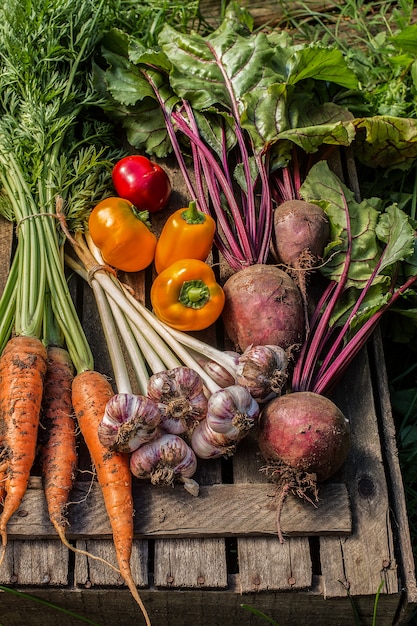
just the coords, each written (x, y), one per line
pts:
(122, 234)
(187, 233)
(186, 295)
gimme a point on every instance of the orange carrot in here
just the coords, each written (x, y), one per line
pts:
(3, 466)
(22, 371)
(58, 442)
(90, 394)
(58, 437)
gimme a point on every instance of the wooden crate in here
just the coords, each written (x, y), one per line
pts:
(197, 560)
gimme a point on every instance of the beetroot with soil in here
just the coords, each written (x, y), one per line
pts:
(305, 438)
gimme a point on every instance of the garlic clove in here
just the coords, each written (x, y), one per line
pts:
(219, 374)
(208, 444)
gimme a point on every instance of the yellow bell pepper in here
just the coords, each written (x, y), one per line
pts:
(187, 233)
(186, 295)
(122, 234)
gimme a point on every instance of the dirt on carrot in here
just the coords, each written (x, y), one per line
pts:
(22, 372)
(57, 437)
(90, 394)
(2, 467)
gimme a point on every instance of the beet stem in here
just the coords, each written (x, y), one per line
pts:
(352, 348)
(332, 351)
(302, 381)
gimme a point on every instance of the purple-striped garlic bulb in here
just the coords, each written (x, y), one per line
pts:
(208, 444)
(129, 421)
(231, 413)
(217, 372)
(263, 370)
(164, 460)
(179, 394)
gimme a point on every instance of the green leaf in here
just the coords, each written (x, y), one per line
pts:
(251, 75)
(413, 72)
(217, 129)
(323, 187)
(385, 141)
(264, 114)
(125, 81)
(405, 403)
(149, 58)
(376, 297)
(131, 97)
(395, 230)
(409, 437)
(310, 138)
(406, 39)
(116, 41)
(320, 63)
(204, 67)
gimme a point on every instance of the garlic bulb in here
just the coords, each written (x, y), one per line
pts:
(128, 421)
(165, 459)
(232, 411)
(263, 370)
(179, 394)
(207, 444)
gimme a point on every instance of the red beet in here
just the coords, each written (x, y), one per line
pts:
(263, 307)
(305, 438)
(300, 233)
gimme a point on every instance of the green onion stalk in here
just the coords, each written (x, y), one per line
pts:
(55, 159)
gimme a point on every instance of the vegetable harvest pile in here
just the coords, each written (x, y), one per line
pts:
(306, 268)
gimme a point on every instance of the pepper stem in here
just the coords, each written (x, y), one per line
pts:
(192, 216)
(194, 294)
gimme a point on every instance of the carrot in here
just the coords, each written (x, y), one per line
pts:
(3, 463)
(22, 371)
(3, 466)
(57, 440)
(90, 394)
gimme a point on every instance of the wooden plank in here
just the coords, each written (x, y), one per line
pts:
(268, 565)
(220, 510)
(360, 562)
(89, 571)
(405, 556)
(35, 562)
(264, 563)
(189, 562)
(198, 607)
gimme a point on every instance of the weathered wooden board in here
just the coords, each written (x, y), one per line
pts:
(367, 558)
(219, 510)
(199, 607)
